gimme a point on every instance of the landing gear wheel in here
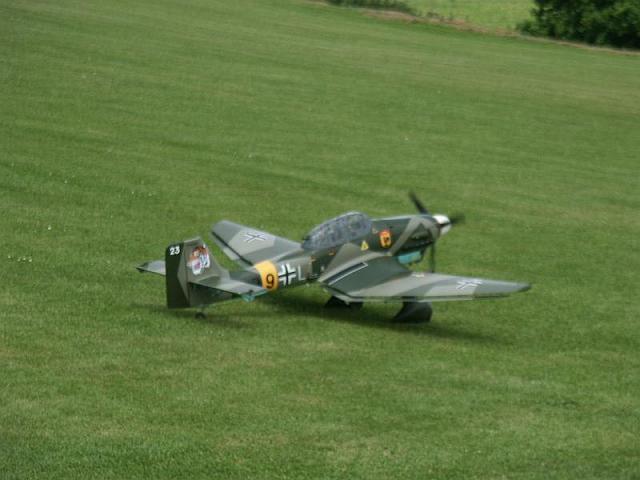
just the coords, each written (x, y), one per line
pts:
(414, 312)
(201, 315)
(335, 302)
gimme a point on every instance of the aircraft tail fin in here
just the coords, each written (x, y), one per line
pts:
(187, 263)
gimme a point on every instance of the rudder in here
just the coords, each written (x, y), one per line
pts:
(188, 262)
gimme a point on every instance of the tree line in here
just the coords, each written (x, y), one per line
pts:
(599, 22)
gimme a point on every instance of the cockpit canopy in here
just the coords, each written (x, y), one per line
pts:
(342, 229)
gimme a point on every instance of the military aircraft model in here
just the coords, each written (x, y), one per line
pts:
(356, 259)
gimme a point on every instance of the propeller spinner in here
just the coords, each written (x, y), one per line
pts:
(444, 224)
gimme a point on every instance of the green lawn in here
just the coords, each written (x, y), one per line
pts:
(491, 14)
(127, 125)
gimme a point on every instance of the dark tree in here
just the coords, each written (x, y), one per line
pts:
(600, 22)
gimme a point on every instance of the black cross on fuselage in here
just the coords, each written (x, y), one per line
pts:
(286, 275)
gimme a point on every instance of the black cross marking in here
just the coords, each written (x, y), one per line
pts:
(286, 275)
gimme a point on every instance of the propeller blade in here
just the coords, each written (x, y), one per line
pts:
(418, 204)
(457, 218)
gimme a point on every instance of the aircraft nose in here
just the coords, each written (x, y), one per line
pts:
(443, 223)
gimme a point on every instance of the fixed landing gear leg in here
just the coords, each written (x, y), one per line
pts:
(335, 302)
(414, 312)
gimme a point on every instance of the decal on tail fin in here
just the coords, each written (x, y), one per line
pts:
(187, 263)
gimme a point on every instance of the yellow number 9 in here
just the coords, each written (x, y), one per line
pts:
(270, 280)
(268, 275)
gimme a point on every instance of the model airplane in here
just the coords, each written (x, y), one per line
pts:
(356, 259)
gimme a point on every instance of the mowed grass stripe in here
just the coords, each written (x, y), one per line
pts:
(125, 127)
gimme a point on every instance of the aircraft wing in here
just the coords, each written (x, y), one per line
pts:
(384, 278)
(248, 246)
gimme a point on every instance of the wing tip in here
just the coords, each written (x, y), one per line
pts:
(523, 287)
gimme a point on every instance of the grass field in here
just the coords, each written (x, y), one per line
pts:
(490, 14)
(125, 126)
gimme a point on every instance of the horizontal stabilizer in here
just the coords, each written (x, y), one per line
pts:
(155, 266)
(194, 277)
(232, 286)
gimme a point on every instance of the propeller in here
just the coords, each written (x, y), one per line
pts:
(418, 203)
(444, 222)
(457, 218)
(432, 257)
